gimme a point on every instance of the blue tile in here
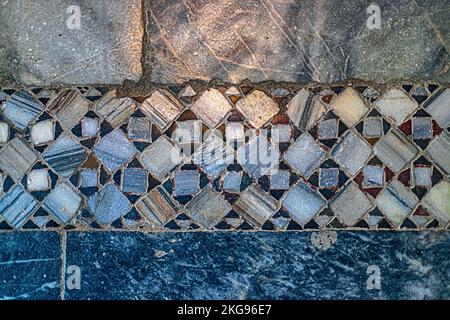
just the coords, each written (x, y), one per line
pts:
(264, 265)
(109, 204)
(134, 180)
(21, 109)
(30, 265)
(89, 178)
(186, 182)
(17, 206)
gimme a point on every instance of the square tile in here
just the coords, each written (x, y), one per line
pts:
(188, 132)
(422, 176)
(134, 180)
(89, 178)
(139, 128)
(38, 180)
(281, 133)
(439, 109)
(305, 155)
(211, 107)
(16, 158)
(4, 132)
(21, 109)
(161, 157)
(232, 181)
(89, 127)
(327, 129)
(63, 202)
(234, 131)
(157, 206)
(115, 110)
(162, 108)
(108, 204)
(208, 207)
(373, 127)
(437, 201)
(349, 106)
(280, 180)
(396, 105)
(350, 205)
(255, 205)
(69, 107)
(351, 153)
(439, 151)
(302, 203)
(421, 128)
(303, 111)
(43, 132)
(395, 150)
(328, 177)
(17, 206)
(373, 176)
(186, 182)
(257, 108)
(396, 202)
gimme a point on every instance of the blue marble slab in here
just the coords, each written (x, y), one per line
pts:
(30, 265)
(263, 265)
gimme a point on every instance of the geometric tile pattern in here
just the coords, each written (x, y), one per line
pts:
(225, 158)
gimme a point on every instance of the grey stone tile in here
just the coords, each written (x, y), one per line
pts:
(139, 128)
(422, 128)
(437, 201)
(395, 150)
(328, 177)
(255, 205)
(439, 150)
(4, 133)
(304, 110)
(373, 176)
(108, 204)
(211, 107)
(21, 109)
(16, 158)
(157, 206)
(162, 108)
(17, 206)
(186, 182)
(188, 131)
(115, 110)
(257, 108)
(104, 48)
(232, 181)
(280, 180)
(350, 204)
(373, 127)
(327, 129)
(134, 180)
(63, 202)
(349, 106)
(69, 107)
(351, 153)
(439, 109)
(396, 105)
(422, 176)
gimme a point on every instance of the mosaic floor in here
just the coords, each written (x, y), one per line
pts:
(226, 158)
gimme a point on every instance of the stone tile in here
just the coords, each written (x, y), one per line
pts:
(302, 203)
(186, 182)
(211, 107)
(439, 150)
(114, 150)
(328, 177)
(422, 128)
(43, 132)
(21, 109)
(422, 176)
(232, 181)
(373, 127)
(351, 153)
(89, 178)
(65, 155)
(257, 108)
(439, 109)
(30, 265)
(396, 202)
(208, 208)
(327, 129)
(69, 107)
(109, 204)
(213, 156)
(281, 133)
(188, 132)
(89, 127)
(104, 48)
(139, 129)
(437, 201)
(234, 131)
(38, 180)
(304, 155)
(134, 180)
(255, 205)
(162, 108)
(395, 150)
(373, 176)
(161, 157)
(349, 106)
(157, 206)
(258, 156)
(63, 202)
(350, 204)
(16, 158)
(4, 132)
(17, 206)
(304, 110)
(115, 110)
(396, 106)
(280, 180)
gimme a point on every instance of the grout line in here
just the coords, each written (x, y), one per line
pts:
(63, 264)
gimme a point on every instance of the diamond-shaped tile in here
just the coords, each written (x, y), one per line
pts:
(257, 108)
(396, 202)
(69, 107)
(350, 204)
(65, 155)
(208, 207)
(21, 109)
(396, 105)
(162, 108)
(439, 109)
(349, 106)
(16, 158)
(157, 206)
(161, 157)
(255, 205)
(17, 206)
(115, 110)
(63, 202)
(305, 155)
(439, 151)
(211, 107)
(108, 204)
(303, 111)
(114, 150)
(437, 201)
(395, 150)
(351, 153)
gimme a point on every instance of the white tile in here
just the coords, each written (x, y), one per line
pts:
(4, 132)
(38, 180)
(89, 127)
(349, 106)
(396, 105)
(43, 132)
